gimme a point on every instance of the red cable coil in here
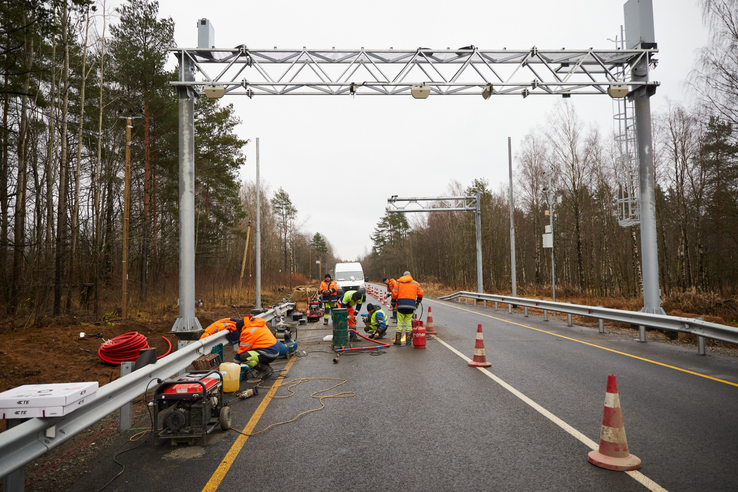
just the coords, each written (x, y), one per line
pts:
(126, 347)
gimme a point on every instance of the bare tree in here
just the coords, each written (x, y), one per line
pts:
(571, 158)
(716, 75)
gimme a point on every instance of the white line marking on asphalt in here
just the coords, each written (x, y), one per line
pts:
(636, 475)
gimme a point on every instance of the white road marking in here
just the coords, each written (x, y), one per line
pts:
(636, 475)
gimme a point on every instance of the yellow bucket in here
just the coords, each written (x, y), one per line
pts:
(231, 376)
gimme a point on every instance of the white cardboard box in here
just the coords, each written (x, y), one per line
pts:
(46, 395)
(56, 411)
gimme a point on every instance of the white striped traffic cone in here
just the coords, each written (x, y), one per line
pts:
(613, 452)
(480, 358)
(429, 329)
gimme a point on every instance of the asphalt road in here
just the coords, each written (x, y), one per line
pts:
(422, 419)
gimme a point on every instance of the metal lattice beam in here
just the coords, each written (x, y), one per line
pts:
(432, 204)
(463, 71)
(446, 204)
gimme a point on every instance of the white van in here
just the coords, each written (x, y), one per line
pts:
(349, 276)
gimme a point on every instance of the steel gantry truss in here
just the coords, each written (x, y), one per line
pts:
(446, 204)
(463, 71)
(421, 72)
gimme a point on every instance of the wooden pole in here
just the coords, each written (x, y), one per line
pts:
(245, 256)
(126, 215)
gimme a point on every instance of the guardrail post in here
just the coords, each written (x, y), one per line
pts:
(485, 303)
(525, 311)
(641, 333)
(545, 315)
(602, 325)
(700, 345)
(15, 480)
(701, 342)
(497, 308)
(568, 319)
(124, 420)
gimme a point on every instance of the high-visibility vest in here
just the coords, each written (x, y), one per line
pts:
(378, 319)
(221, 324)
(407, 292)
(255, 335)
(332, 288)
(391, 283)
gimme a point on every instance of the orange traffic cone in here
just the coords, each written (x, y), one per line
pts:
(429, 330)
(613, 453)
(480, 358)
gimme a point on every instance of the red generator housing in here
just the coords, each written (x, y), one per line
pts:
(189, 408)
(314, 311)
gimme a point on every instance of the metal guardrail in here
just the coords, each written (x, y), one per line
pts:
(25, 442)
(695, 326)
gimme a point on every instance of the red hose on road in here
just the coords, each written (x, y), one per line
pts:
(380, 344)
(126, 347)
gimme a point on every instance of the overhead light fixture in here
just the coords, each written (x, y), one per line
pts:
(487, 91)
(618, 91)
(420, 91)
(214, 91)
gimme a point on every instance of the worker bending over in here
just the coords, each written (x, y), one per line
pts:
(406, 296)
(351, 301)
(257, 347)
(376, 321)
(329, 296)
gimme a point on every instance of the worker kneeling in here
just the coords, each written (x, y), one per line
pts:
(376, 321)
(257, 347)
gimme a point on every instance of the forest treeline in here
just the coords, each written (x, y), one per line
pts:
(72, 82)
(568, 170)
(76, 79)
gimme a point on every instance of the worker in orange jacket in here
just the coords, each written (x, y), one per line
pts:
(329, 296)
(257, 346)
(406, 296)
(391, 283)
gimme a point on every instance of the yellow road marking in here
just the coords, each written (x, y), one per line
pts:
(225, 465)
(599, 347)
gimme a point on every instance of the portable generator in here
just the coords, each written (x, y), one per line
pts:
(314, 311)
(189, 408)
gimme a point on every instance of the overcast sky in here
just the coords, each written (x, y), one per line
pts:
(340, 158)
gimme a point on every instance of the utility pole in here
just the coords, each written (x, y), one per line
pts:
(126, 213)
(245, 256)
(126, 217)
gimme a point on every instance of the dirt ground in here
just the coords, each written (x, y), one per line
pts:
(57, 354)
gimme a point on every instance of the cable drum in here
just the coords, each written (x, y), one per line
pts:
(125, 348)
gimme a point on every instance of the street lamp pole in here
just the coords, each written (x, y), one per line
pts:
(550, 199)
(258, 231)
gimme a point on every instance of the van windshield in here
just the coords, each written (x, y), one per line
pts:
(348, 275)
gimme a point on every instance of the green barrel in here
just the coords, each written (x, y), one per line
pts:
(340, 327)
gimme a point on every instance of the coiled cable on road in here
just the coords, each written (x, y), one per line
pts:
(126, 347)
